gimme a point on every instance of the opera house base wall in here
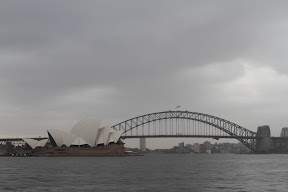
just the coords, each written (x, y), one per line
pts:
(113, 149)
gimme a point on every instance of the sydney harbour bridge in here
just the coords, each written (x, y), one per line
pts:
(172, 124)
(169, 124)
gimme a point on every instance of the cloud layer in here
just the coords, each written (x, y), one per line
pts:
(62, 61)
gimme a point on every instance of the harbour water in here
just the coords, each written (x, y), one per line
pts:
(228, 172)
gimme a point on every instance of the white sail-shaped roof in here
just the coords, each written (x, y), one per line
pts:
(87, 129)
(68, 138)
(42, 142)
(116, 135)
(31, 142)
(79, 141)
(110, 138)
(104, 135)
(57, 136)
(99, 139)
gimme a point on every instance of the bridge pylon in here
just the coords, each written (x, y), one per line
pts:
(263, 139)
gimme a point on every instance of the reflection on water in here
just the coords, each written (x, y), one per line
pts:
(149, 173)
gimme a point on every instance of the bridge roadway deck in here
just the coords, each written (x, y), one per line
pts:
(20, 139)
(195, 136)
(158, 136)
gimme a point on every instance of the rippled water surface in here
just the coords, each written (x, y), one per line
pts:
(148, 173)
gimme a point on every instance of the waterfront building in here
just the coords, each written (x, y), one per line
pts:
(207, 145)
(86, 132)
(143, 144)
(181, 145)
(86, 138)
(196, 147)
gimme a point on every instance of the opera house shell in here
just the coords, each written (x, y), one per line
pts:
(85, 132)
(86, 138)
(35, 143)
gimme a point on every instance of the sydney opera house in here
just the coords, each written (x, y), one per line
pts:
(86, 138)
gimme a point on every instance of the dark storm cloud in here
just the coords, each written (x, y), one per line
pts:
(126, 58)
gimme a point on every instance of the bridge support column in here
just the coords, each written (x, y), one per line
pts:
(263, 141)
(143, 144)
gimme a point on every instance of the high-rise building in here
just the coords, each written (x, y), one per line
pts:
(207, 145)
(196, 147)
(181, 145)
(143, 144)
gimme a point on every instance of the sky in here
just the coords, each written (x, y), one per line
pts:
(61, 61)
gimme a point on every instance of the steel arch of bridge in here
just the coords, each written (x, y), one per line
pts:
(232, 130)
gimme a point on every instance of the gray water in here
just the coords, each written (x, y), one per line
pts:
(149, 173)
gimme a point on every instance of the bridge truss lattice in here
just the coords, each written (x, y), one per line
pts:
(184, 124)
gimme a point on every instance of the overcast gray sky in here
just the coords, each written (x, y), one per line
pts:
(61, 61)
